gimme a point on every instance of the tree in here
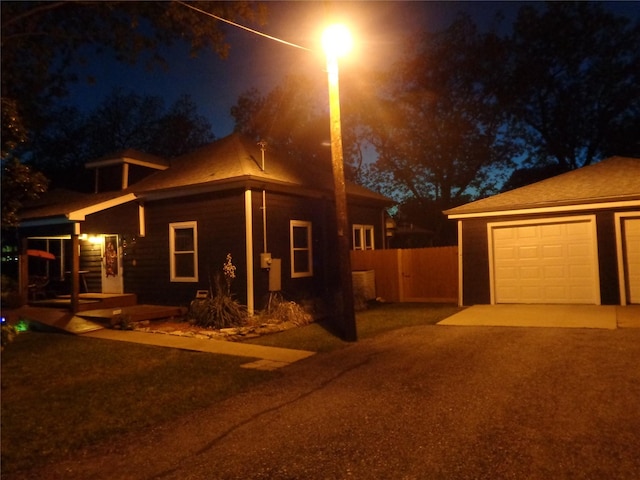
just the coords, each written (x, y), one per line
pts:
(121, 121)
(293, 116)
(437, 126)
(19, 184)
(40, 40)
(572, 83)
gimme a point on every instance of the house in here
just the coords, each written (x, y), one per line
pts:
(571, 239)
(166, 235)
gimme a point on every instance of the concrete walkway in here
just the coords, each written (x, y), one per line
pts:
(566, 316)
(266, 358)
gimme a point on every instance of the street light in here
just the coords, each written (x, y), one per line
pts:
(336, 41)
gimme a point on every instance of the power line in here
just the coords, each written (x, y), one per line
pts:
(243, 27)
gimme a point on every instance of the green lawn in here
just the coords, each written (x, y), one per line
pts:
(63, 392)
(378, 319)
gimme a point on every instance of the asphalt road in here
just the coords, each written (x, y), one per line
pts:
(432, 402)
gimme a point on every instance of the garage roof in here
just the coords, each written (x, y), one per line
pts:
(616, 179)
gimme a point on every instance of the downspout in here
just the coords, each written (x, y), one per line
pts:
(263, 146)
(383, 219)
(249, 249)
(460, 271)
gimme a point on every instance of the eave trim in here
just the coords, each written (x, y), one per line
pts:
(80, 215)
(559, 209)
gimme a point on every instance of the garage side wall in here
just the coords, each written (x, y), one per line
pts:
(607, 258)
(476, 288)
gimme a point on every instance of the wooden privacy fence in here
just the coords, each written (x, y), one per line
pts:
(411, 275)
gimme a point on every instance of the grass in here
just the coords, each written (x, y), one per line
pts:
(63, 392)
(378, 319)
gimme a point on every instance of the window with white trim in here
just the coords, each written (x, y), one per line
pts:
(301, 251)
(363, 237)
(183, 251)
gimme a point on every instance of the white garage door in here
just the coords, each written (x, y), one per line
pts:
(632, 258)
(545, 263)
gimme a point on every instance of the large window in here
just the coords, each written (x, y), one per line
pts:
(183, 247)
(363, 237)
(301, 254)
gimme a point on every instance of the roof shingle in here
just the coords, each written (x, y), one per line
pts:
(611, 180)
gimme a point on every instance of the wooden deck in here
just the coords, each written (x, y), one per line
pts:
(59, 317)
(133, 314)
(98, 310)
(89, 301)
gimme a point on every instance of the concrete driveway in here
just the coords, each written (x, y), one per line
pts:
(567, 316)
(429, 402)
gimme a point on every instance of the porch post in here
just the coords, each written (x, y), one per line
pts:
(75, 268)
(23, 271)
(248, 214)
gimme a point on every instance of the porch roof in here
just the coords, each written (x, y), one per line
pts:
(64, 206)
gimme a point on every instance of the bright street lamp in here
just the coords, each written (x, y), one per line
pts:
(336, 41)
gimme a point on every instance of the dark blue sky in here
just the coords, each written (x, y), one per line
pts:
(255, 61)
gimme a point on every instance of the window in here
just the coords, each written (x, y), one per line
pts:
(363, 237)
(301, 254)
(183, 247)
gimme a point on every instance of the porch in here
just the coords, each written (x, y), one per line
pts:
(88, 301)
(97, 311)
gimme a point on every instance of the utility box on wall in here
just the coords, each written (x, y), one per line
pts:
(275, 275)
(265, 260)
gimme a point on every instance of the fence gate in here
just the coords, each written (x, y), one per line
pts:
(429, 275)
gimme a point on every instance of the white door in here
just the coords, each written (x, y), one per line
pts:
(111, 265)
(545, 263)
(631, 228)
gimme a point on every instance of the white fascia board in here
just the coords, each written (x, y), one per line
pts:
(79, 215)
(129, 160)
(560, 209)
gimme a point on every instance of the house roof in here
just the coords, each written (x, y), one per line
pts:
(616, 179)
(236, 160)
(233, 161)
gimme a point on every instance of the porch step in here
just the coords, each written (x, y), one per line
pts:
(109, 301)
(133, 314)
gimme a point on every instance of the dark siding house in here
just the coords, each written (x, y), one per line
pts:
(570, 239)
(173, 229)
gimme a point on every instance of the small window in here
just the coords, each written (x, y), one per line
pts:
(301, 254)
(183, 246)
(363, 237)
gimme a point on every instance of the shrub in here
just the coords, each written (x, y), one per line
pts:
(9, 293)
(221, 310)
(8, 333)
(287, 311)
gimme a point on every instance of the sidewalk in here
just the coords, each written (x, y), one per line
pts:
(268, 358)
(564, 316)
(264, 358)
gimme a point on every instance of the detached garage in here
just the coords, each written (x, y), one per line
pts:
(570, 239)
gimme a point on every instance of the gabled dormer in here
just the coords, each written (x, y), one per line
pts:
(122, 169)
